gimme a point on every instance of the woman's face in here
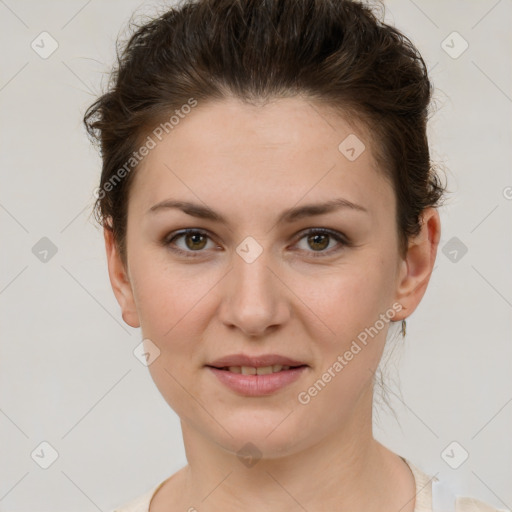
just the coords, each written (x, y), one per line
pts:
(256, 283)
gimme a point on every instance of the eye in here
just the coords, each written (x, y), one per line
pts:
(319, 238)
(195, 240)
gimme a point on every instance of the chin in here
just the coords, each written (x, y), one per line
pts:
(264, 433)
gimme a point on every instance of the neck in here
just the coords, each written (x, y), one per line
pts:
(345, 470)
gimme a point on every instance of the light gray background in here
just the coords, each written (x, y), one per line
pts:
(67, 372)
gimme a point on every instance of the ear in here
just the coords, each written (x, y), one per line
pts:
(417, 267)
(120, 281)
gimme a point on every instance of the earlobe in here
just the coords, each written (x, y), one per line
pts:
(119, 281)
(419, 262)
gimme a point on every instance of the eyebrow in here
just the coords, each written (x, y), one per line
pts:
(288, 216)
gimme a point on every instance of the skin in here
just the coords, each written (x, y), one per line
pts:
(250, 163)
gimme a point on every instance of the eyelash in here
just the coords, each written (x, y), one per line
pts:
(339, 237)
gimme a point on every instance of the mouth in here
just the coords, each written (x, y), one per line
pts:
(257, 370)
(256, 376)
(252, 364)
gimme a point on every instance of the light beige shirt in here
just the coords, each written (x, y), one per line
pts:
(431, 496)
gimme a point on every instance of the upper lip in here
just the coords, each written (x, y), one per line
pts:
(254, 361)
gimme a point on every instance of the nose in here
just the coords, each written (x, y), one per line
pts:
(255, 299)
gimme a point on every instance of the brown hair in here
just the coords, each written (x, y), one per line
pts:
(336, 52)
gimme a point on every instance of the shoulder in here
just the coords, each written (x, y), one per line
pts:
(142, 502)
(467, 504)
(433, 495)
(139, 504)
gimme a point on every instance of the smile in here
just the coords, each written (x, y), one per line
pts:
(257, 381)
(262, 370)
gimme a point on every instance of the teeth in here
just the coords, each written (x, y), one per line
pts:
(263, 370)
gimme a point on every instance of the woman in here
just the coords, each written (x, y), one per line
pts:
(269, 209)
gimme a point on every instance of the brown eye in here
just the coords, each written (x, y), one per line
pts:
(195, 241)
(319, 239)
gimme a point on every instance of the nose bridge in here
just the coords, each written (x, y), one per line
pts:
(255, 300)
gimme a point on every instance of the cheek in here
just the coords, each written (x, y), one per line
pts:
(349, 303)
(168, 297)
(349, 350)
(171, 303)
(345, 300)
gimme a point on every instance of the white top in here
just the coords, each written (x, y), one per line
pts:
(431, 496)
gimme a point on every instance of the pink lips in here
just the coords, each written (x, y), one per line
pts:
(256, 385)
(254, 361)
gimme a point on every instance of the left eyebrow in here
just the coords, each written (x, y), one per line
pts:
(310, 210)
(288, 216)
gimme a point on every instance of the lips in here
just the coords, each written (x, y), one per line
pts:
(265, 360)
(257, 385)
(258, 375)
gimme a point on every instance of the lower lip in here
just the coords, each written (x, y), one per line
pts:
(257, 385)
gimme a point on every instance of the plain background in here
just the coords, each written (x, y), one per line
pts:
(68, 375)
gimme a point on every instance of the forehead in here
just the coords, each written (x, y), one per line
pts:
(283, 151)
